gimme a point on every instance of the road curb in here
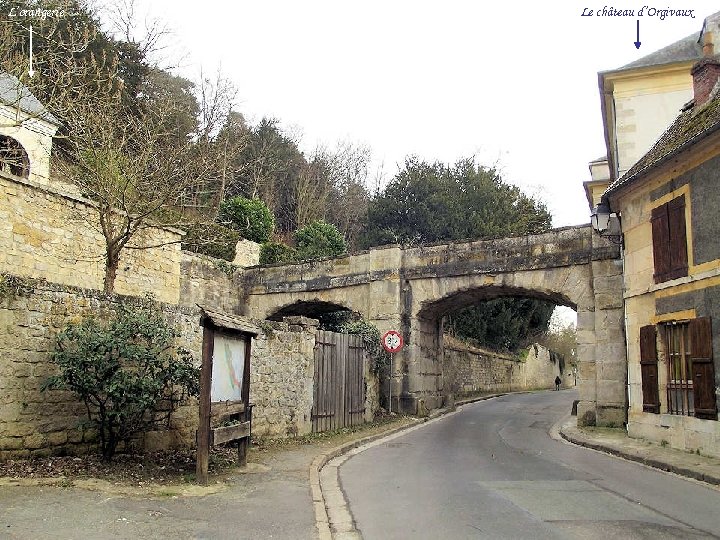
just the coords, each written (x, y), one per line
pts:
(321, 514)
(654, 462)
(322, 519)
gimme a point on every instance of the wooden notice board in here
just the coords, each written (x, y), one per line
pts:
(225, 411)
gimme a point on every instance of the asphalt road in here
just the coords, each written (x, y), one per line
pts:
(492, 470)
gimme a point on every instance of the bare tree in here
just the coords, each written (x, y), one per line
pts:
(348, 204)
(312, 189)
(120, 150)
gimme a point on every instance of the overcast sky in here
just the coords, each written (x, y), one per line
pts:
(509, 82)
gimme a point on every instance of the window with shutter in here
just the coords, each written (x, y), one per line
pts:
(703, 370)
(680, 384)
(669, 240)
(661, 242)
(649, 369)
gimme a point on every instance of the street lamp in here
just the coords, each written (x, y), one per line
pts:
(600, 217)
(600, 220)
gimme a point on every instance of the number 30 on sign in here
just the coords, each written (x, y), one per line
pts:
(392, 341)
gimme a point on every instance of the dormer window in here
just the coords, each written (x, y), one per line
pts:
(13, 157)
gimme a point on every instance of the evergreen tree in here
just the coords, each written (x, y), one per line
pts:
(434, 202)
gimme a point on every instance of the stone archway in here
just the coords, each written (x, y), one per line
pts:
(423, 375)
(407, 289)
(314, 309)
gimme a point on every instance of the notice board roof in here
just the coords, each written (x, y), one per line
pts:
(231, 322)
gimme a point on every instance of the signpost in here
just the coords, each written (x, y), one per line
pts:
(392, 342)
(224, 386)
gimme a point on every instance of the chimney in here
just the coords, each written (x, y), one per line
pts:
(705, 76)
(706, 72)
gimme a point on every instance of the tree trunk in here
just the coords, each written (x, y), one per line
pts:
(112, 260)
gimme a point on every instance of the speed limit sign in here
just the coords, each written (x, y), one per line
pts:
(392, 341)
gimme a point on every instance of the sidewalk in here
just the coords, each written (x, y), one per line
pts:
(271, 498)
(268, 499)
(616, 442)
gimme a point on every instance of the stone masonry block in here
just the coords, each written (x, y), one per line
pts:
(610, 393)
(586, 415)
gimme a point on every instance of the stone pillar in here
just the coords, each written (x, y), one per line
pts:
(383, 308)
(610, 348)
(423, 367)
(418, 367)
(586, 376)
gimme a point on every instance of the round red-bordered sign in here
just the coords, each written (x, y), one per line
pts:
(392, 341)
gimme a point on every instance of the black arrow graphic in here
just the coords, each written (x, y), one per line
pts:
(637, 43)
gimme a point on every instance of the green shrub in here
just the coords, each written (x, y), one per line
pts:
(319, 239)
(277, 252)
(211, 239)
(379, 357)
(127, 371)
(250, 217)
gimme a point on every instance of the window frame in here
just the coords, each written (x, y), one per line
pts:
(669, 240)
(14, 159)
(676, 336)
(687, 346)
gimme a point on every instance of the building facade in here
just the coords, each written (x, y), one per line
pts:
(668, 205)
(639, 101)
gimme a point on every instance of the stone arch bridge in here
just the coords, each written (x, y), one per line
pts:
(411, 289)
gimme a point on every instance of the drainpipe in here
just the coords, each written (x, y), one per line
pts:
(627, 345)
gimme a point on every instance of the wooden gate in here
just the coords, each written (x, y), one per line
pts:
(339, 383)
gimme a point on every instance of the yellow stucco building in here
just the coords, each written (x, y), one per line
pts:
(668, 203)
(639, 101)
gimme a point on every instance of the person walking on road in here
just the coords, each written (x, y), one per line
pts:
(557, 382)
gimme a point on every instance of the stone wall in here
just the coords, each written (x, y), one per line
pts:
(247, 253)
(33, 422)
(468, 369)
(50, 234)
(539, 368)
(48, 239)
(281, 377)
(209, 282)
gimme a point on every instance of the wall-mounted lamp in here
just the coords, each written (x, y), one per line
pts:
(603, 223)
(600, 217)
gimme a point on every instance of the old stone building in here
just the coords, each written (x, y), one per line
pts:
(667, 207)
(26, 132)
(638, 101)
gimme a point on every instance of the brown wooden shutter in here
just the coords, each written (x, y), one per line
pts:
(649, 369)
(661, 242)
(678, 238)
(703, 370)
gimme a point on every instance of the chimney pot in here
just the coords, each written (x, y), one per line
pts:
(708, 50)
